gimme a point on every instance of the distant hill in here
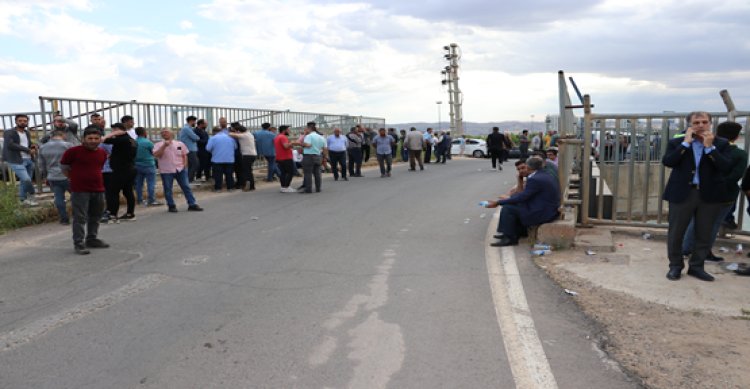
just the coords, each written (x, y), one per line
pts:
(474, 128)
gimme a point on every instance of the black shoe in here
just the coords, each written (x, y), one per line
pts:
(504, 242)
(743, 272)
(65, 222)
(711, 257)
(674, 274)
(732, 225)
(96, 244)
(700, 274)
(499, 236)
(195, 208)
(82, 250)
(172, 208)
(128, 217)
(335, 178)
(412, 170)
(344, 178)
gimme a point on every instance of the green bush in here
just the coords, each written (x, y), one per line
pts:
(13, 214)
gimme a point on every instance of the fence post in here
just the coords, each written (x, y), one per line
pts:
(586, 160)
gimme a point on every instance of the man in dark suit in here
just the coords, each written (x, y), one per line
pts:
(695, 189)
(538, 203)
(495, 144)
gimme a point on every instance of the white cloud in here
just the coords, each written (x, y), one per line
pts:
(186, 25)
(383, 58)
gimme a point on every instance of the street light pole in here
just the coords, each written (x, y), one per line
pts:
(440, 119)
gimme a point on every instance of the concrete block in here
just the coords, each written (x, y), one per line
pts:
(559, 234)
(595, 239)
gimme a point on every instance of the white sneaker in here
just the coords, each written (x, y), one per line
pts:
(30, 202)
(289, 190)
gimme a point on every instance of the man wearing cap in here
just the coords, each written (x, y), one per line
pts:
(190, 139)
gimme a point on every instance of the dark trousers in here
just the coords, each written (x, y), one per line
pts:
(287, 172)
(193, 165)
(385, 161)
(223, 171)
(510, 222)
(87, 210)
(428, 154)
(524, 149)
(415, 156)
(121, 181)
(204, 159)
(338, 158)
(496, 156)
(366, 152)
(311, 169)
(680, 215)
(404, 154)
(355, 162)
(439, 155)
(246, 179)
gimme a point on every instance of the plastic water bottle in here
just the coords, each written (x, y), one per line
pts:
(539, 253)
(484, 204)
(540, 246)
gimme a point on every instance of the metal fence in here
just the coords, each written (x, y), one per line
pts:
(623, 178)
(156, 116)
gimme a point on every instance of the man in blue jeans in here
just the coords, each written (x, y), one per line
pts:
(173, 161)
(50, 154)
(145, 168)
(18, 150)
(190, 139)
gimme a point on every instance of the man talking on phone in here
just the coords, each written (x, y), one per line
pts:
(699, 161)
(173, 161)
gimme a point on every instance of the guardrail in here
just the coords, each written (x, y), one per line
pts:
(627, 149)
(155, 116)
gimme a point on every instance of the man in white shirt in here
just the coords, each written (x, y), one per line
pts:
(337, 145)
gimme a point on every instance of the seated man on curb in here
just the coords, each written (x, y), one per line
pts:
(538, 203)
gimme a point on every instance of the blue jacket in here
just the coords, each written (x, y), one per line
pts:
(189, 138)
(221, 147)
(713, 168)
(264, 143)
(539, 201)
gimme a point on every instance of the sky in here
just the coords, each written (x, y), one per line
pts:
(378, 58)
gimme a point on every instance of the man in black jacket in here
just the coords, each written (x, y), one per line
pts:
(122, 162)
(495, 145)
(695, 189)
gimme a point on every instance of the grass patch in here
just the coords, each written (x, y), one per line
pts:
(13, 215)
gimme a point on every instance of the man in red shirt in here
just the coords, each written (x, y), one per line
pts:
(83, 167)
(284, 158)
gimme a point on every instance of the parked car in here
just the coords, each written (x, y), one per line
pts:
(476, 148)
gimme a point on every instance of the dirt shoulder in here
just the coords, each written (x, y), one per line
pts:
(672, 334)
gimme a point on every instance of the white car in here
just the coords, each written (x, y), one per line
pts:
(477, 148)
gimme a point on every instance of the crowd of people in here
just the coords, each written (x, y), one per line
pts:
(99, 168)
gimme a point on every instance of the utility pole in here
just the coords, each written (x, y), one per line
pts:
(455, 97)
(440, 119)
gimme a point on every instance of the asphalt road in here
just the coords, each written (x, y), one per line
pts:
(376, 282)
